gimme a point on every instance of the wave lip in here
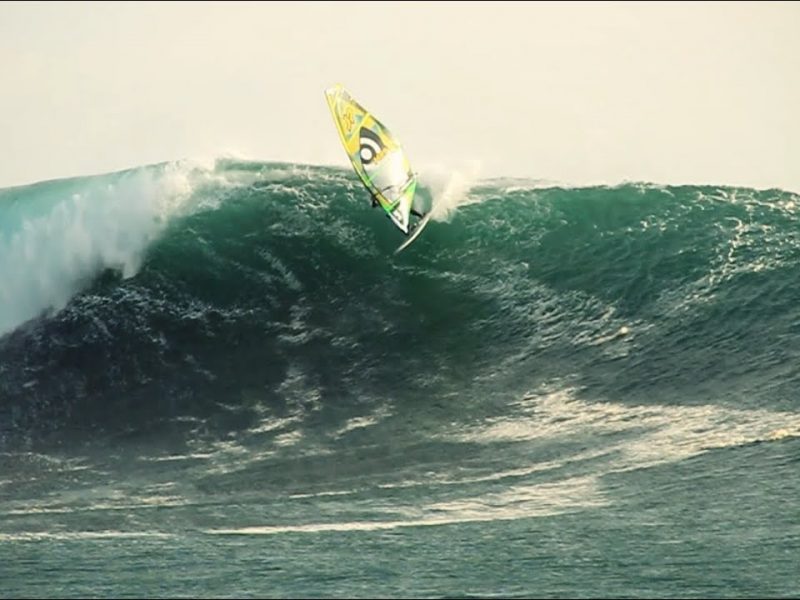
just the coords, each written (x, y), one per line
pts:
(56, 236)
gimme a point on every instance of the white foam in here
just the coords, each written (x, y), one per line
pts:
(66, 235)
(449, 187)
(80, 535)
(516, 502)
(363, 422)
(658, 433)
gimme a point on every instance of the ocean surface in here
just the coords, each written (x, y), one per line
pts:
(217, 380)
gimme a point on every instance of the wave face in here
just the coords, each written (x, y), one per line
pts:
(551, 392)
(197, 300)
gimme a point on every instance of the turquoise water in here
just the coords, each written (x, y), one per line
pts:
(217, 380)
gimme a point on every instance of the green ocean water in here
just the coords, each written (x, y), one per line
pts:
(217, 380)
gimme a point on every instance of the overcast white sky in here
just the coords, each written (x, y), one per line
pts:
(575, 92)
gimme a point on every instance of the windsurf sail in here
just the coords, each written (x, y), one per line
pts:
(376, 155)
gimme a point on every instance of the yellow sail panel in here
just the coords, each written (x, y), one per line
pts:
(376, 155)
